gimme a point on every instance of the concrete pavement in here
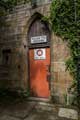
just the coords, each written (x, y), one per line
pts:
(25, 110)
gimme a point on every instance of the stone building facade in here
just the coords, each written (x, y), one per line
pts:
(14, 49)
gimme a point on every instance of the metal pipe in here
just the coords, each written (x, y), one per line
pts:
(78, 77)
(75, 7)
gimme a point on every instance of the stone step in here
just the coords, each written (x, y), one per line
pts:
(4, 70)
(4, 78)
(45, 106)
(4, 73)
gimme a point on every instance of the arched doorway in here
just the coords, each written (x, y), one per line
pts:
(39, 58)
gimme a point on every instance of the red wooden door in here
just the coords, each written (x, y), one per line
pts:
(39, 60)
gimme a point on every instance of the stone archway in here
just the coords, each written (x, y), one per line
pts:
(39, 57)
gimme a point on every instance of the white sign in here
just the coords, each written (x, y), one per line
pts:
(39, 54)
(39, 39)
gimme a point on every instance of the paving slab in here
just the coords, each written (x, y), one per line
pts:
(41, 116)
(68, 113)
(7, 117)
(36, 111)
(20, 110)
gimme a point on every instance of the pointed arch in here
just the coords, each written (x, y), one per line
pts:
(38, 27)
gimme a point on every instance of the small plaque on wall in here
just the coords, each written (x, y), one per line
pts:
(38, 39)
(39, 54)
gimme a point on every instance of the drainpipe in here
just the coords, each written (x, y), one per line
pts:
(78, 59)
(78, 77)
(75, 7)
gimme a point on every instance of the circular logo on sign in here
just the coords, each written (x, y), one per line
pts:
(39, 52)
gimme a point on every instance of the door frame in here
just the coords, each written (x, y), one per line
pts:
(37, 98)
(32, 19)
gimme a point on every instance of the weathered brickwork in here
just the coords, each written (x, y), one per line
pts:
(13, 37)
(61, 79)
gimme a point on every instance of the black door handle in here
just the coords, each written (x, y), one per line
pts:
(48, 68)
(48, 80)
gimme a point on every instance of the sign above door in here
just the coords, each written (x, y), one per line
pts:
(38, 39)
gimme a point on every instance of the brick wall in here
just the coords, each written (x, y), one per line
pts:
(14, 37)
(61, 79)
